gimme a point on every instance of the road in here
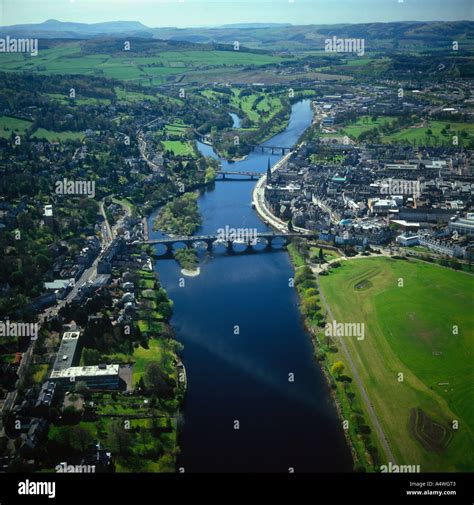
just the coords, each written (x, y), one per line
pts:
(107, 232)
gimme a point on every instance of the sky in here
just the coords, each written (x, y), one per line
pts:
(187, 13)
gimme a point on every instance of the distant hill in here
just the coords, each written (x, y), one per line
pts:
(52, 28)
(311, 37)
(266, 36)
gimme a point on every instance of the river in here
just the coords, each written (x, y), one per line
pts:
(244, 377)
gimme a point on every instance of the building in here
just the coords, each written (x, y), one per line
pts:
(408, 240)
(444, 247)
(68, 353)
(96, 377)
(463, 225)
(46, 396)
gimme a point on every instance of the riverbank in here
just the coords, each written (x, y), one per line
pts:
(248, 373)
(365, 447)
(260, 204)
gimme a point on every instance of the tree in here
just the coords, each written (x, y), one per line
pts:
(337, 368)
(80, 438)
(82, 388)
(120, 439)
(310, 304)
(321, 255)
(71, 415)
(350, 396)
(91, 357)
(157, 381)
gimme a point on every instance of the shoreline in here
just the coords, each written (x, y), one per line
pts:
(329, 381)
(269, 218)
(191, 273)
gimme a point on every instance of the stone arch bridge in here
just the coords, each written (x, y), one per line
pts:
(210, 240)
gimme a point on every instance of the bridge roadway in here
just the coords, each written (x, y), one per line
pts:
(189, 241)
(274, 149)
(252, 175)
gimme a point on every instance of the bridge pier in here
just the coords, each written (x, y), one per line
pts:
(229, 247)
(209, 245)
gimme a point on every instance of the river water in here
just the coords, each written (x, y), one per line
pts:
(242, 333)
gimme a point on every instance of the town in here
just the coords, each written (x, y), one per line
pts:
(236, 249)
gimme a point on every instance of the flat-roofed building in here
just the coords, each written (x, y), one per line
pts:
(96, 377)
(68, 353)
(408, 240)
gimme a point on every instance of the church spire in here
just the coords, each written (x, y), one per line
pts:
(269, 172)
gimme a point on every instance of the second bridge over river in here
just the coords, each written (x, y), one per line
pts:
(235, 175)
(210, 240)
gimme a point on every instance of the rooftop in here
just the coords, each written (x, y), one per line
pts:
(67, 350)
(85, 371)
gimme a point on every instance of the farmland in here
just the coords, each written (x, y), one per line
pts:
(150, 66)
(428, 339)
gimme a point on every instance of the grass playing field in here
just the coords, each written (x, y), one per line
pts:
(179, 148)
(423, 330)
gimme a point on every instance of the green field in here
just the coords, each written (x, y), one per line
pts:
(64, 99)
(409, 330)
(8, 125)
(51, 136)
(179, 148)
(365, 123)
(68, 58)
(175, 130)
(265, 109)
(421, 135)
(160, 350)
